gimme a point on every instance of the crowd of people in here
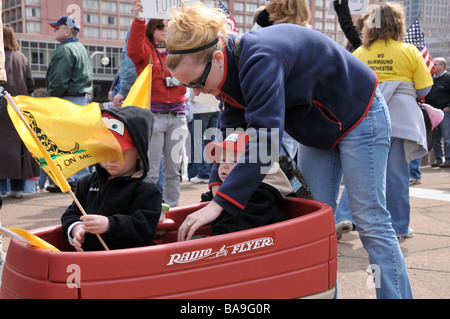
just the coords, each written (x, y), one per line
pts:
(355, 119)
(69, 76)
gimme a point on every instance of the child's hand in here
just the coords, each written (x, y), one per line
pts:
(95, 224)
(78, 233)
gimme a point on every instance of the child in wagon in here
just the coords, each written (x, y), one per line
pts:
(264, 206)
(122, 204)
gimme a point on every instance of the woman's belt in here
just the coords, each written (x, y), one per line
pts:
(170, 113)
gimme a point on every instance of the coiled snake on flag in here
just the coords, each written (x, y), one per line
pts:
(48, 144)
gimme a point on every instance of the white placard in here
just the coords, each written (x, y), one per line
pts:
(160, 9)
(355, 6)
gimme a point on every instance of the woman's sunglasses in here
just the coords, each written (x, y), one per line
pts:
(160, 26)
(201, 82)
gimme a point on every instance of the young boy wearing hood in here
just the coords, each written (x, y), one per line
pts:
(121, 203)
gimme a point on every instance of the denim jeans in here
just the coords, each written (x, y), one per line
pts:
(291, 146)
(443, 132)
(397, 187)
(343, 209)
(14, 185)
(43, 178)
(361, 157)
(397, 191)
(5, 186)
(414, 171)
(201, 123)
(80, 100)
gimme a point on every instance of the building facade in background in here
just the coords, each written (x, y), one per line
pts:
(105, 23)
(104, 26)
(243, 10)
(434, 21)
(434, 14)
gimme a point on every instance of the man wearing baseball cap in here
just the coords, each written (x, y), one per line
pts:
(69, 74)
(67, 21)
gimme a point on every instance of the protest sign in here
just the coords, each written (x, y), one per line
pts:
(160, 9)
(355, 6)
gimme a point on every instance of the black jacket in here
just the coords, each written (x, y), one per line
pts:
(132, 204)
(439, 96)
(345, 21)
(263, 208)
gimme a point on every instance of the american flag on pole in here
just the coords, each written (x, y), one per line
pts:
(231, 21)
(414, 35)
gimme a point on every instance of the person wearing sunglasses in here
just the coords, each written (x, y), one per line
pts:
(291, 77)
(146, 44)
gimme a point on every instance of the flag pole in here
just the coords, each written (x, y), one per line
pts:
(75, 199)
(49, 160)
(150, 95)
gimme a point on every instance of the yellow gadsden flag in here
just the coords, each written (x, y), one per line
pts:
(63, 137)
(139, 94)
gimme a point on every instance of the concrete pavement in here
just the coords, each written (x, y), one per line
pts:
(427, 254)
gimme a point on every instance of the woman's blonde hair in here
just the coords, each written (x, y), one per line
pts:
(289, 11)
(194, 27)
(391, 26)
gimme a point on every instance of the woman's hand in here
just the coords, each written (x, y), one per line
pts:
(197, 219)
(136, 9)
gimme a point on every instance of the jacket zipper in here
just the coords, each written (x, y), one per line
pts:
(327, 113)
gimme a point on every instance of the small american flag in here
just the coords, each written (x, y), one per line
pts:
(414, 36)
(231, 21)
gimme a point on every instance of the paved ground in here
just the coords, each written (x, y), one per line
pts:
(427, 254)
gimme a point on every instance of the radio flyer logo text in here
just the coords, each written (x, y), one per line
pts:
(209, 253)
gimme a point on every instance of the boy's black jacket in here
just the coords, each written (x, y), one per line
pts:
(263, 208)
(132, 204)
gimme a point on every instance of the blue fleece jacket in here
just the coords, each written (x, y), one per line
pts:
(289, 78)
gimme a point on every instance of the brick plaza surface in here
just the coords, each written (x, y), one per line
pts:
(427, 254)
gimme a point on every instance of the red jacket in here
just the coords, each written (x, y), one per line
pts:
(139, 49)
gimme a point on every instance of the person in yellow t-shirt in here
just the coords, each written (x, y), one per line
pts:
(403, 77)
(393, 60)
